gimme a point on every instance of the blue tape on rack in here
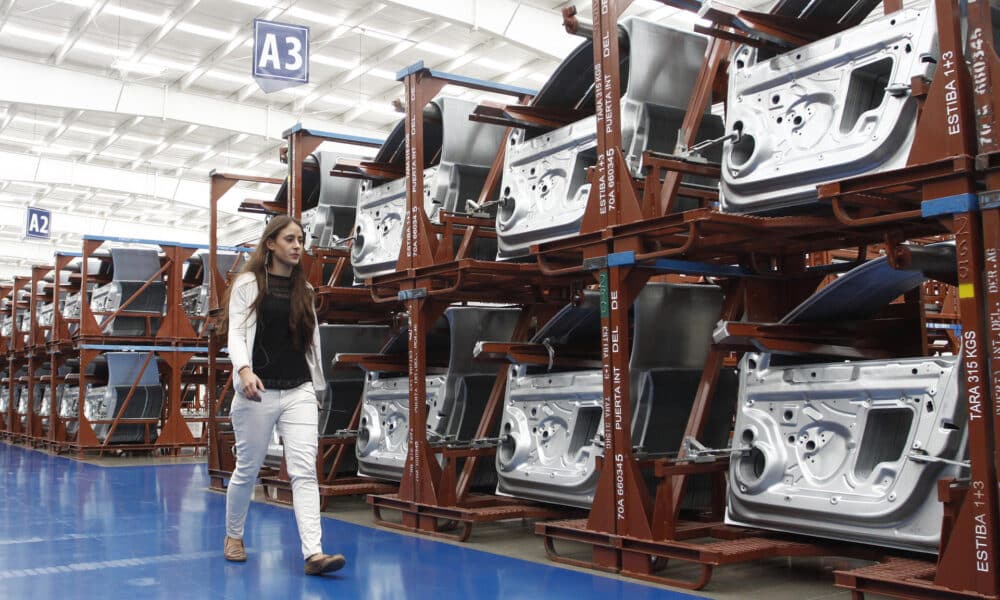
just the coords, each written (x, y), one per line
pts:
(73, 254)
(130, 348)
(621, 259)
(950, 205)
(333, 137)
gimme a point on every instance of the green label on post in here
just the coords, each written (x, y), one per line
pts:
(605, 295)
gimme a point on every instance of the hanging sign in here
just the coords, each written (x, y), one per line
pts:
(38, 224)
(280, 55)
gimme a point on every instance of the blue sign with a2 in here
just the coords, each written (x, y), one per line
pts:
(39, 224)
(280, 51)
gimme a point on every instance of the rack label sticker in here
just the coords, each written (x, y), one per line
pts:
(38, 224)
(280, 55)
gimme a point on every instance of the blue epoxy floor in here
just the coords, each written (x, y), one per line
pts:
(74, 530)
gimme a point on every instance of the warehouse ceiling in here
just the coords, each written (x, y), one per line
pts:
(113, 112)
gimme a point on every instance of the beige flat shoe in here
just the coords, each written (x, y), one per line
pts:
(234, 551)
(317, 564)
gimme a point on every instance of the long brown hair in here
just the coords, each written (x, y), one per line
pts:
(302, 319)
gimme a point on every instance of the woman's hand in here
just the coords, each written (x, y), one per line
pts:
(251, 384)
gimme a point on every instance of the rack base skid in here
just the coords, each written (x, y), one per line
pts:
(218, 480)
(280, 490)
(427, 518)
(716, 545)
(901, 578)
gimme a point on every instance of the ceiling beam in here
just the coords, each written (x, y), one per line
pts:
(77, 31)
(68, 120)
(107, 94)
(161, 32)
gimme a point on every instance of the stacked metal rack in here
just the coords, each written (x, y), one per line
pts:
(628, 235)
(88, 339)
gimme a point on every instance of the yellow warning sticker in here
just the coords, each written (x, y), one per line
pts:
(966, 290)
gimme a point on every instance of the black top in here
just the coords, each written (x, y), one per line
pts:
(278, 364)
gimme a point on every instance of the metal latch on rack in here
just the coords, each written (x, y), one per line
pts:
(697, 452)
(923, 457)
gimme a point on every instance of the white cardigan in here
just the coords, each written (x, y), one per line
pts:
(243, 329)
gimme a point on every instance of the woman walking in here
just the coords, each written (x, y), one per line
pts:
(273, 343)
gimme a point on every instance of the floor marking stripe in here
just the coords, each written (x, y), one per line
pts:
(109, 564)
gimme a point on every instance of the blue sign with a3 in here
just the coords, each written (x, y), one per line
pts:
(280, 54)
(39, 224)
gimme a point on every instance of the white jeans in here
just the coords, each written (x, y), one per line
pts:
(296, 414)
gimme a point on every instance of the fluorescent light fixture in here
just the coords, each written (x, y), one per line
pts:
(67, 190)
(381, 35)
(141, 139)
(438, 49)
(170, 64)
(226, 76)
(383, 109)
(191, 147)
(137, 67)
(32, 184)
(117, 156)
(382, 74)
(167, 163)
(489, 63)
(257, 3)
(337, 100)
(311, 15)
(120, 53)
(333, 61)
(236, 155)
(91, 130)
(300, 91)
(208, 32)
(32, 34)
(134, 15)
(22, 118)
